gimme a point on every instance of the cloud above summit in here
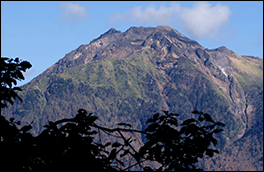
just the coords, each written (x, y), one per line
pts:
(202, 20)
(205, 20)
(28, 73)
(72, 12)
(161, 15)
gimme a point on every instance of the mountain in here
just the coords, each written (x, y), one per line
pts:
(129, 76)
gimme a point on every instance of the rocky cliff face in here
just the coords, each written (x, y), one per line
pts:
(126, 77)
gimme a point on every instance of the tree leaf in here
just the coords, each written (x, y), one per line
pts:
(18, 122)
(210, 152)
(214, 141)
(112, 154)
(173, 114)
(161, 118)
(142, 150)
(208, 117)
(116, 144)
(16, 60)
(210, 126)
(20, 75)
(201, 119)
(25, 64)
(147, 168)
(220, 124)
(217, 130)
(152, 127)
(26, 128)
(188, 121)
(107, 144)
(17, 88)
(216, 151)
(150, 120)
(11, 119)
(166, 112)
(92, 132)
(155, 116)
(191, 128)
(195, 112)
(172, 122)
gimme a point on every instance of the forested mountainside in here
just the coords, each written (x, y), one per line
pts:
(129, 76)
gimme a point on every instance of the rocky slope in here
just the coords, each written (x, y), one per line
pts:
(126, 77)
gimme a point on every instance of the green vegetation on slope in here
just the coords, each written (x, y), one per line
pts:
(126, 89)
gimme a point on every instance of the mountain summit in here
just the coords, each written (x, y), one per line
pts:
(128, 76)
(117, 45)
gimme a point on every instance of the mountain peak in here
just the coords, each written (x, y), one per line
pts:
(163, 40)
(222, 49)
(165, 27)
(141, 28)
(119, 45)
(112, 31)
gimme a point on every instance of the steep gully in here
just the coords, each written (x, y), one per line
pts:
(221, 67)
(237, 108)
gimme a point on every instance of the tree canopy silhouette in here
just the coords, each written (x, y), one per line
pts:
(10, 72)
(68, 144)
(177, 146)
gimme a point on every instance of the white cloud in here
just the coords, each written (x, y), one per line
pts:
(28, 72)
(72, 12)
(162, 15)
(202, 20)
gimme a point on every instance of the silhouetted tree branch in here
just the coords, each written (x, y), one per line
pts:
(10, 72)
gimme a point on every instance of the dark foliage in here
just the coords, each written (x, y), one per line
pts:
(10, 72)
(68, 144)
(69, 147)
(177, 146)
(72, 146)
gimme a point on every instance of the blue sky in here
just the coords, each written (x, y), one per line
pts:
(42, 32)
